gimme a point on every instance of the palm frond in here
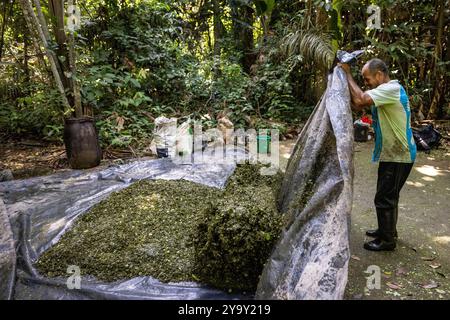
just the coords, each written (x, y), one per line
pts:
(312, 44)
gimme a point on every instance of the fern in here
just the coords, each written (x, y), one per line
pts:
(312, 44)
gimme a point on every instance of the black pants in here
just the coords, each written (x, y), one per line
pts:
(391, 178)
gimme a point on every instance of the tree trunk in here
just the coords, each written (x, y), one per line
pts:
(309, 7)
(217, 37)
(437, 70)
(437, 99)
(248, 45)
(41, 19)
(22, 28)
(321, 18)
(319, 75)
(73, 71)
(26, 68)
(56, 9)
(243, 19)
(4, 23)
(34, 26)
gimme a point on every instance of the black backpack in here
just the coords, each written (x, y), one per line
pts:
(426, 138)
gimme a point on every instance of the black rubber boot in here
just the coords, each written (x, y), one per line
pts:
(375, 233)
(385, 240)
(379, 245)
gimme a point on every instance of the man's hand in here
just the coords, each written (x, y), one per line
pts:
(359, 99)
(345, 67)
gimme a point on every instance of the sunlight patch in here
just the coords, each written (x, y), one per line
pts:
(415, 184)
(429, 170)
(442, 240)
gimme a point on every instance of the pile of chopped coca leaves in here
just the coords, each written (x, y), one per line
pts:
(176, 230)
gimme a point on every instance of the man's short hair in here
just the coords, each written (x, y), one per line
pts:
(376, 64)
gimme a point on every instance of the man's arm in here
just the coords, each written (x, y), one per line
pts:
(360, 99)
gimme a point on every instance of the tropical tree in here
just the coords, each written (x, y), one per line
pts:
(61, 57)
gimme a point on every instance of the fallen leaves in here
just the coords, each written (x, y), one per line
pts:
(356, 258)
(401, 272)
(394, 285)
(428, 258)
(435, 265)
(431, 285)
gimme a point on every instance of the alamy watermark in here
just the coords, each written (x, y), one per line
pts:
(216, 146)
(374, 20)
(374, 278)
(73, 22)
(74, 281)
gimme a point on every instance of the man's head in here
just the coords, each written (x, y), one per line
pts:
(375, 72)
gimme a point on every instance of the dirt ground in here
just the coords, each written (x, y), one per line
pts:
(28, 158)
(419, 268)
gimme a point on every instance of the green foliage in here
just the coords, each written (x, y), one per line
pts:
(37, 113)
(231, 93)
(264, 7)
(405, 42)
(124, 128)
(312, 44)
(138, 60)
(166, 79)
(272, 92)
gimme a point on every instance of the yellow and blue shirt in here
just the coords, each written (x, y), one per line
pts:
(391, 115)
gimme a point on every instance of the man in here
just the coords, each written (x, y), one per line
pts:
(395, 148)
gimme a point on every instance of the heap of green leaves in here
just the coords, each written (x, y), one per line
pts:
(176, 231)
(239, 233)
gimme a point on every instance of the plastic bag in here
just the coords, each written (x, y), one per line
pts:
(426, 138)
(184, 139)
(164, 136)
(226, 127)
(361, 123)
